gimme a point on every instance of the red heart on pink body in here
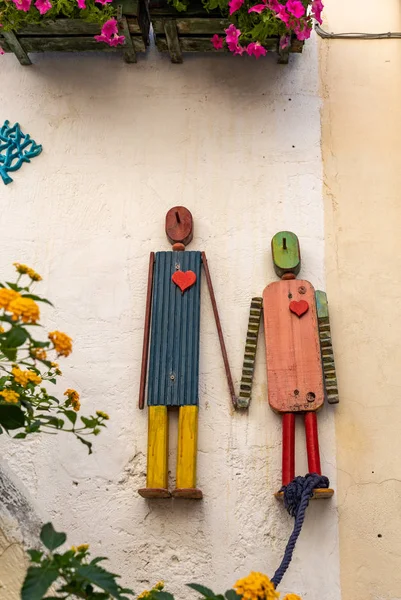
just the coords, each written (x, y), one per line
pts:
(184, 279)
(299, 307)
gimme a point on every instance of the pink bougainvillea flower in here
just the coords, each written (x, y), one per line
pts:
(81, 4)
(285, 41)
(274, 5)
(303, 31)
(103, 1)
(1, 51)
(232, 35)
(283, 15)
(258, 8)
(236, 49)
(109, 34)
(256, 49)
(235, 5)
(43, 6)
(24, 5)
(317, 7)
(296, 8)
(217, 41)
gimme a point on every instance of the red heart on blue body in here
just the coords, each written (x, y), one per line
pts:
(184, 279)
(299, 307)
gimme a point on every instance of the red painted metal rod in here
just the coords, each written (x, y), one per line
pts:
(312, 443)
(288, 447)
(219, 331)
(146, 334)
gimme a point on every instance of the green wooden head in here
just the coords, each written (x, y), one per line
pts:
(286, 253)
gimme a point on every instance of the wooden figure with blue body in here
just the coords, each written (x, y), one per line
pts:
(299, 356)
(172, 331)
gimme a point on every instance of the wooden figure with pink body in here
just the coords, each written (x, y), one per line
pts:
(299, 356)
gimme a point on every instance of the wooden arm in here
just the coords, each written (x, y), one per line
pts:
(251, 345)
(329, 367)
(146, 333)
(219, 331)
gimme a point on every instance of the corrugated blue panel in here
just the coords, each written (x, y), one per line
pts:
(174, 343)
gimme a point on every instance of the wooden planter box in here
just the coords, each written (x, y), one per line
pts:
(75, 35)
(191, 31)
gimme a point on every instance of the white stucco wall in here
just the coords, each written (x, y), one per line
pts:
(238, 143)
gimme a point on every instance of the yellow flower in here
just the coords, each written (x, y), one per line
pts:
(24, 270)
(39, 353)
(144, 595)
(74, 548)
(84, 548)
(9, 396)
(62, 342)
(24, 308)
(103, 415)
(7, 296)
(256, 587)
(73, 397)
(2, 330)
(159, 585)
(292, 597)
(25, 377)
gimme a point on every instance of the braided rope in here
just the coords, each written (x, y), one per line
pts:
(297, 495)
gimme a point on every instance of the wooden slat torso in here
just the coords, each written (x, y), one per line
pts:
(293, 357)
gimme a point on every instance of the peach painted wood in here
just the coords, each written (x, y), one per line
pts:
(293, 359)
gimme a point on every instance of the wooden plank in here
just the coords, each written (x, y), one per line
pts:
(251, 345)
(203, 44)
(129, 53)
(195, 25)
(15, 45)
(283, 55)
(130, 7)
(329, 369)
(173, 43)
(187, 447)
(71, 27)
(286, 254)
(318, 494)
(73, 44)
(157, 467)
(293, 358)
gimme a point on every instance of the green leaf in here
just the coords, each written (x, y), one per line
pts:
(71, 415)
(20, 436)
(206, 592)
(232, 595)
(101, 578)
(35, 555)
(86, 443)
(37, 344)
(37, 582)
(17, 336)
(89, 422)
(160, 595)
(98, 559)
(11, 416)
(14, 286)
(10, 353)
(51, 538)
(37, 298)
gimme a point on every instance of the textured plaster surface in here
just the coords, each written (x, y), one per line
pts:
(361, 137)
(238, 143)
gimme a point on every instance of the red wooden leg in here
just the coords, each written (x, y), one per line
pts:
(312, 443)
(288, 447)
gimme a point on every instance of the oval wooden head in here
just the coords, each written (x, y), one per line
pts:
(286, 253)
(179, 225)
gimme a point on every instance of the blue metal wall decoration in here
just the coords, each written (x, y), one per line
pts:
(15, 149)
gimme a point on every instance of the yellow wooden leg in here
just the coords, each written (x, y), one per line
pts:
(157, 472)
(186, 454)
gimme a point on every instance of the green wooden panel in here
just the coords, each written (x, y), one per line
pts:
(202, 44)
(71, 27)
(73, 44)
(285, 253)
(195, 25)
(326, 346)
(321, 305)
(130, 7)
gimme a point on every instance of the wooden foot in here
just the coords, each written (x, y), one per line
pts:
(189, 493)
(154, 493)
(318, 493)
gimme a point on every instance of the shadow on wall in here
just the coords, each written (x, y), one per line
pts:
(19, 529)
